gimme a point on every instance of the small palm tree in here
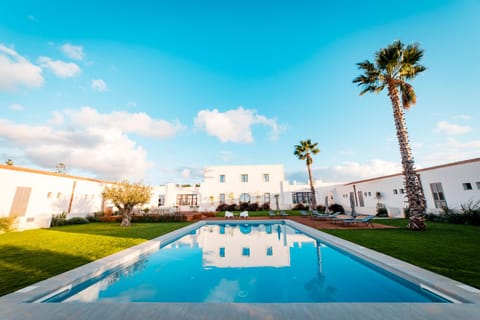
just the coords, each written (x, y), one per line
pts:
(304, 151)
(393, 66)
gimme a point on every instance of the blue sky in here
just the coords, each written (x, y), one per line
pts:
(157, 90)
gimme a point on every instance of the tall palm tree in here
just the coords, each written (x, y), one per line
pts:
(304, 151)
(393, 66)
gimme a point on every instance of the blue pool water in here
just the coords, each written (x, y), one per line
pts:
(248, 263)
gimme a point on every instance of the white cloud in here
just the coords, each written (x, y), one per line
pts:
(451, 129)
(234, 125)
(59, 68)
(99, 85)
(349, 171)
(452, 150)
(87, 140)
(139, 123)
(462, 117)
(73, 52)
(15, 70)
(16, 107)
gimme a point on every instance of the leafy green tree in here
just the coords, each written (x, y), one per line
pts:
(393, 66)
(304, 151)
(125, 196)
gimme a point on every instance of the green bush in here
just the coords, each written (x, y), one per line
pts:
(265, 206)
(76, 220)
(160, 218)
(300, 206)
(59, 219)
(7, 223)
(336, 208)
(382, 212)
(468, 214)
(244, 206)
(253, 207)
(320, 208)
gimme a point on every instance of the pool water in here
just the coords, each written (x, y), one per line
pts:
(248, 263)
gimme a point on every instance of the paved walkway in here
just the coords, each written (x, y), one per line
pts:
(317, 224)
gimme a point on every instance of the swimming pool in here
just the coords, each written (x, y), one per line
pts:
(254, 262)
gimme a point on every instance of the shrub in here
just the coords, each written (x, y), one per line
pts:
(253, 207)
(59, 219)
(76, 220)
(232, 207)
(336, 208)
(300, 206)
(92, 218)
(161, 218)
(382, 212)
(265, 206)
(472, 212)
(244, 206)
(320, 208)
(406, 212)
(7, 223)
(221, 207)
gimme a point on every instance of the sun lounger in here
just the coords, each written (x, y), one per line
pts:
(283, 213)
(228, 215)
(365, 220)
(271, 214)
(304, 213)
(325, 216)
(244, 214)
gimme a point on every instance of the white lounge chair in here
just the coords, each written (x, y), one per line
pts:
(244, 214)
(228, 215)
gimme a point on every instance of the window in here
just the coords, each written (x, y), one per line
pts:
(301, 197)
(478, 185)
(266, 197)
(467, 186)
(244, 177)
(221, 197)
(402, 191)
(244, 197)
(270, 251)
(266, 177)
(365, 194)
(221, 252)
(222, 178)
(395, 191)
(50, 195)
(59, 195)
(246, 252)
(187, 200)
(369, 194)
(438, 195)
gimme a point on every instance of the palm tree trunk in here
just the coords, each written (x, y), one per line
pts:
(312, 188)
(415, 196)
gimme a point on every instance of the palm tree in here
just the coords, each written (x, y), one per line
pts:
(304, 151)
(393, 66)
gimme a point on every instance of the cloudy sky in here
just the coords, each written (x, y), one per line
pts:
(157, 90)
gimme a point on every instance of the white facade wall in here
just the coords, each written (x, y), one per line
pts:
(452, 178)
(50, 193)
(233, 187)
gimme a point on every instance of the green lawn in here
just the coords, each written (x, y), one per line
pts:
(34, 255)
(448, 249)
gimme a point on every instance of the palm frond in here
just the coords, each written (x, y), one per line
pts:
(408, 95)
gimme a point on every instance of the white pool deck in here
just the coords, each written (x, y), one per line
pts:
(24, 304)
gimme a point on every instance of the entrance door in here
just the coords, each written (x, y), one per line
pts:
(360, 199)
(20, 201)
(438, 195)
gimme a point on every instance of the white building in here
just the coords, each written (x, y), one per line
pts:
(34, 195)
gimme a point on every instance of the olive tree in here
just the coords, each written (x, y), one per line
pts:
(125, 196)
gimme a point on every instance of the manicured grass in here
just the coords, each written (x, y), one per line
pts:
(30, 256)
(448, 249)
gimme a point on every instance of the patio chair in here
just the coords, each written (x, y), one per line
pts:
(244, 214)
(326, 216)
(283, 213)
(271, 214)
(365, 220)
(228, 215)
(304, 213)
